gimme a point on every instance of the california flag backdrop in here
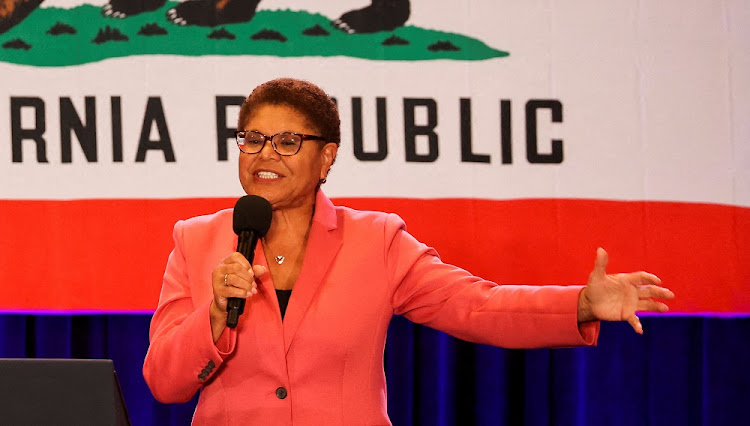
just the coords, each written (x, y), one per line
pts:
(514, 136)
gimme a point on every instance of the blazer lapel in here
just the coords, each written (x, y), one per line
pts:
(323, 244)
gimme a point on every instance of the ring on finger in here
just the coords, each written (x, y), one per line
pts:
(225, 279)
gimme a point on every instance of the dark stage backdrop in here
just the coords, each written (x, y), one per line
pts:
(686, 370)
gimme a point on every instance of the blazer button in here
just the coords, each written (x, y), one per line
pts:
(281, 392)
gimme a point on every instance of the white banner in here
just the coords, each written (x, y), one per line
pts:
(647, 101)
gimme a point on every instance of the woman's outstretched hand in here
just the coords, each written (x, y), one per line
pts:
(617, 297)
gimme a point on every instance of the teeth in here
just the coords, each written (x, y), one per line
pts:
(267, 175)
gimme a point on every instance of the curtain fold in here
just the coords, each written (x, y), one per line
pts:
(686, 370)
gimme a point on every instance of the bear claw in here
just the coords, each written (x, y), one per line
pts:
(343, 26)
(175, 18)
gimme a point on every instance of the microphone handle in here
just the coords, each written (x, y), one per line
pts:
(246, 246)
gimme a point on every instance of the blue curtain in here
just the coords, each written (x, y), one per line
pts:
(683, 371)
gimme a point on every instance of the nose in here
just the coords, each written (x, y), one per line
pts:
(268, 152)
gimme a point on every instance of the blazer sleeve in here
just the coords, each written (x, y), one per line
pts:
(182, 355)
(450, 299)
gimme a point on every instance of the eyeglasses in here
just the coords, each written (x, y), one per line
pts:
(284, 143)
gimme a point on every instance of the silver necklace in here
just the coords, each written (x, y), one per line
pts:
(278, 258)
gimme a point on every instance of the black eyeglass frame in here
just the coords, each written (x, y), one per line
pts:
(303, 137)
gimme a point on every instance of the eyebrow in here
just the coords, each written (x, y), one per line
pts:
(283, 131)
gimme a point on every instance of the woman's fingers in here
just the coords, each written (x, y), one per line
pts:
(240, 277)
(648, 279)
(237, 257)
(239, 282)
(259, 270)
(651, 306)
(234, 277)
(600, 263)
(635, 322)
(654, 291)
(233, 291)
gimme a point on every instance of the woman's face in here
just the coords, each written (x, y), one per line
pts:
(285, 181)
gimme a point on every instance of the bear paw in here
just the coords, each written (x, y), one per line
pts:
(208, 13)
(381, 15)
(123, 8)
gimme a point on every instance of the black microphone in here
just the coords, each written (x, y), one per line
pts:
(252, 218)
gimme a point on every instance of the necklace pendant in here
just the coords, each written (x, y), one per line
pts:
(280, 259)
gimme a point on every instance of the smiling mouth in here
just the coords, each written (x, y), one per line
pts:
(267, 175)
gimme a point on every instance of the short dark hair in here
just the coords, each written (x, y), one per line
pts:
(305, 97)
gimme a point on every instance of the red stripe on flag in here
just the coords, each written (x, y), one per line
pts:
(109, 255)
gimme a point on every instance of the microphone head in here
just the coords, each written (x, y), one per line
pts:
(252, 213)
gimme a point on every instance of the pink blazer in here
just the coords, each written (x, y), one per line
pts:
(324, 363)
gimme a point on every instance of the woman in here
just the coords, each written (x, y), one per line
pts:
(321, 361)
